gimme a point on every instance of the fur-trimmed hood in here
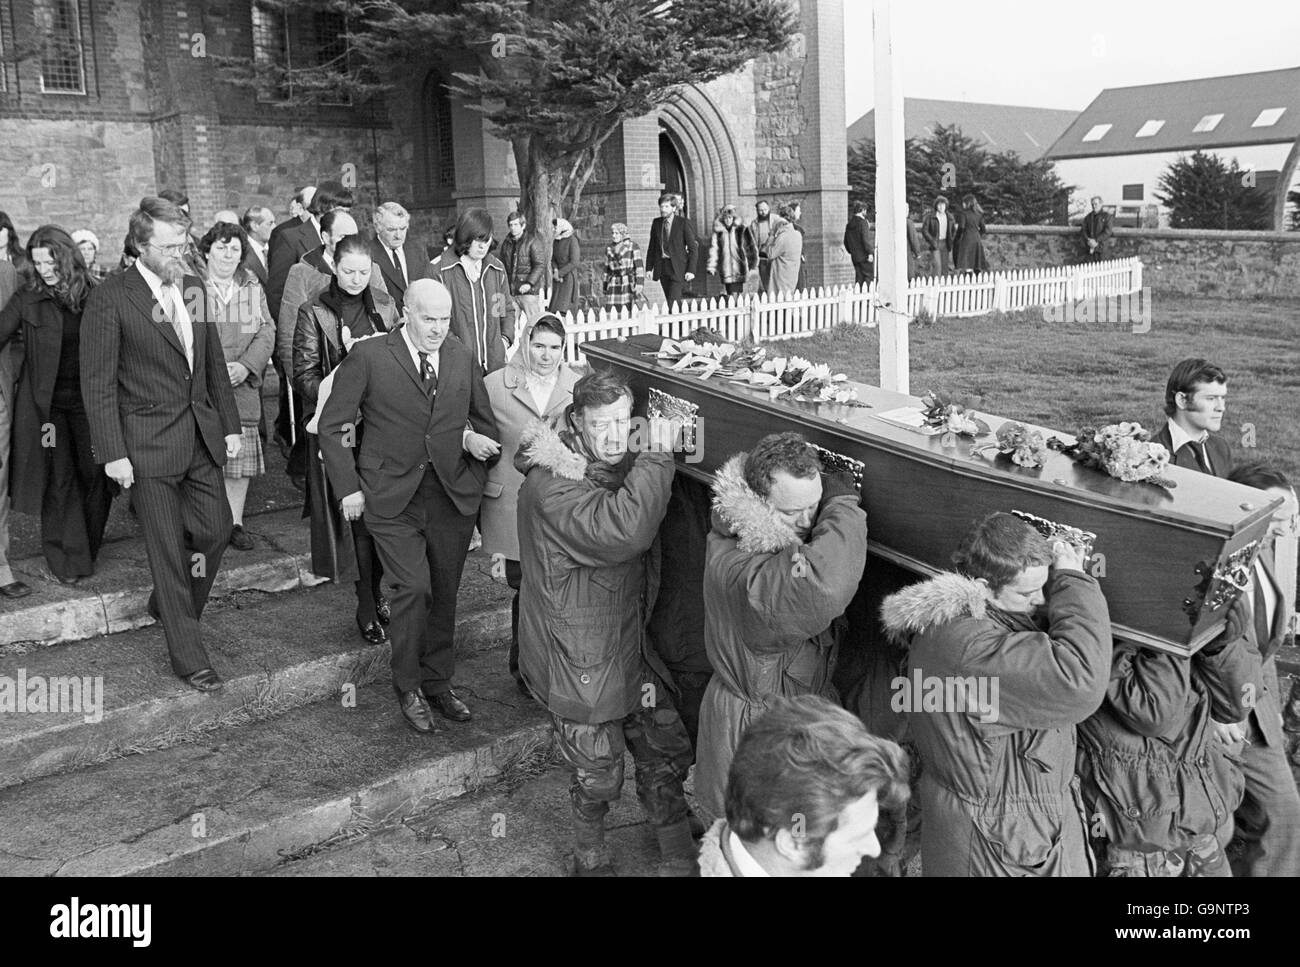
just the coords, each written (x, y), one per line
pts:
(739, 511)
(542, 446)
(945, 597)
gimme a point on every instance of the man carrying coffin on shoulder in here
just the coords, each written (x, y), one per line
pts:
(1196, 397)
(784, 559)
(996, 736)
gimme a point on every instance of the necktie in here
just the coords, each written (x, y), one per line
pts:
(426, 373)
(1263, 630)
(397, 264)
(1202, 458)
(168, 302)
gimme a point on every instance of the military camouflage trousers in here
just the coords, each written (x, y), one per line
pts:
(1203, 857)
(660, 748)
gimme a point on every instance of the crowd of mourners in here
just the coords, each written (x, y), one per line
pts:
(426, 404)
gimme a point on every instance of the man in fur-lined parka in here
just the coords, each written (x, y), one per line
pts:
(999, 698)
(784, 560)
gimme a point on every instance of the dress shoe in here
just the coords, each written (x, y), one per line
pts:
(204, 680)
(450, 706)
(372, 631)
(68, 582)
(383, 610)
(15, 590)
(239, 538)
(285, 447)
(416, 711)
(299, 481)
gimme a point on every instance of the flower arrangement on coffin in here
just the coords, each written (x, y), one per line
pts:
(1123, 450)
(1024, 446)
(793, 377)
(943, 414)
(705, 352)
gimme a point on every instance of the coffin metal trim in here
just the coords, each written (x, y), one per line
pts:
(1055, 531)
(833, 462)
(666, 406)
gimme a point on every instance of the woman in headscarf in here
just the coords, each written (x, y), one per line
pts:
(786, 249)
(565, 256)
(535, 385)
(350, 309)
(624, 269)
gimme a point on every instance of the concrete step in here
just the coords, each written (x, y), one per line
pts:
(276, 651)
(516, 826)
(114, 599)
(239, 800)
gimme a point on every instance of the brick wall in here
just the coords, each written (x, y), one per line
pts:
(1182, 261)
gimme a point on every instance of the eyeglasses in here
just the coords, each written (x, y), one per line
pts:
(168, 249)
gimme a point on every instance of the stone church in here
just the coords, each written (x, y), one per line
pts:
(133, 102)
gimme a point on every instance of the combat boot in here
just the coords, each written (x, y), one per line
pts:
(590, 856)
(677, 850)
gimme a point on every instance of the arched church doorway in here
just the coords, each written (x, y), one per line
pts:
(671, 168)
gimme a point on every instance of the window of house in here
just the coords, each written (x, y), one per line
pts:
(438, 174)
(1150, 129)
(1269, 117)
(1207, 123)
(271, 48)
(1133, 193)
(63, 66)
(331, 31)
(1097, 132)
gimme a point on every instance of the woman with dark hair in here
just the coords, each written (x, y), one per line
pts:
(535, 385)
(968, 237)
(347, 311)
(60, 480)
(237, 305)
(482, 309)
(10, 250)
(565, 256)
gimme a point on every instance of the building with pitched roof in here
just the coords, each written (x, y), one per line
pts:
(1028, 131)
(1126, 138)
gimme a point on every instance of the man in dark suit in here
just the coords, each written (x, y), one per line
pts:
(396, 255)
(1096, 231)
(859, 242)
(298, 212)
(673, 249)
(1268, 819)
(286, 249)
(258, 224)
(424, 438)
(163, 419)
(939, 229)
(1196, 397)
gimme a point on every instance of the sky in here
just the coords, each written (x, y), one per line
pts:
(1057, 53)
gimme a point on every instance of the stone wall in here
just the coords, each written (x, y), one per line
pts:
(1230, 265)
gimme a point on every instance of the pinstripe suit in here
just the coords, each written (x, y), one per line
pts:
(143, 402)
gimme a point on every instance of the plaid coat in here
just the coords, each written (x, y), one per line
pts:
(624, 273)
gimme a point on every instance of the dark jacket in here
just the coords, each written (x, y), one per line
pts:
(142, 400)
(673, 257)
(285, 249)
(968, 243)
(1217, 447)
(482, 312)
(318, 339)
(33, 321)
(1153, 776)
(860, 239)
(930, 230)
(768, 626)
(566, 256)
(415, 258)
(590, 575)
(998, 793)
(1097, 225)
(524, 259)
(406, 431)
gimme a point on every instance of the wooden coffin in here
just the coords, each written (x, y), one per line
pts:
(1169, 561)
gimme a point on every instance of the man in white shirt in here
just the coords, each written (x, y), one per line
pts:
(395, 253)
(793, 814)
(1196, 398)
(258, 223)
(163, 422)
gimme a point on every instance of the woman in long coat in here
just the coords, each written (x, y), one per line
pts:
(968, 241)
(237, 305)
(565, 256)
(51, 435)
(624, 270)
(327, 327)
(536, 385)
(786, 250)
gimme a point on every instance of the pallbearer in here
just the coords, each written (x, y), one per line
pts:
(784, 560)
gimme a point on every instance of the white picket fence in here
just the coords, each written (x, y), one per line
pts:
(798, 314)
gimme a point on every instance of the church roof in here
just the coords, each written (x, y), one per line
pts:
(1028, 131)
(1209, 112)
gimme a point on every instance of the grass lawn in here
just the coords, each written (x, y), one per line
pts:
(1067, 375)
